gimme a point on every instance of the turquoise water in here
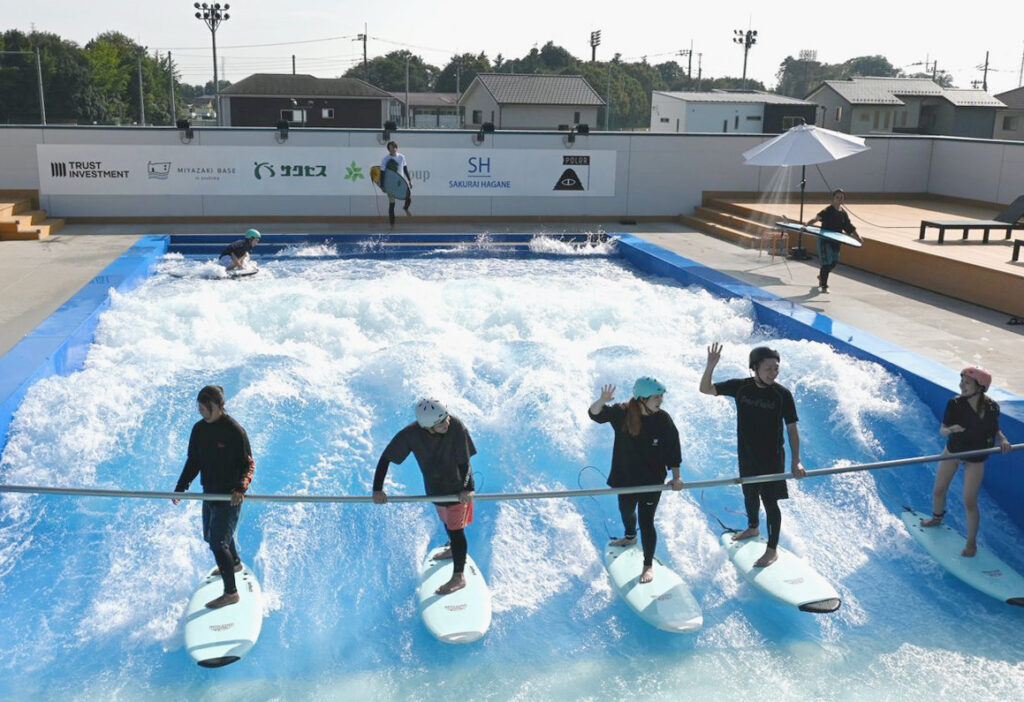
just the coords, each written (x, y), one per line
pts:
(322, 360)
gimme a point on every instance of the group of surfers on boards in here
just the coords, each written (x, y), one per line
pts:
(646, 446)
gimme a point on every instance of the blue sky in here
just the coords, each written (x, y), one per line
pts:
(321, 33)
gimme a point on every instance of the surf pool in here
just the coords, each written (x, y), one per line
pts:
(322, 356)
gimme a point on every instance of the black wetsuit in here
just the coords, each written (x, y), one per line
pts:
(761, 412)
(834, 220)
(641, 460)
(391, 164)
(219, 453)
(444, 461)
(979, 431)
(238, 248)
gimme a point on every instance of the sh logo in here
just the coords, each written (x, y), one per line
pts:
(479, 167)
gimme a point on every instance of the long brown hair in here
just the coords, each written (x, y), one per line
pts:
(633, 415)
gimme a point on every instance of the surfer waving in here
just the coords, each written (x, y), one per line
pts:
(762, 407)
(442, 446)
(646, 444)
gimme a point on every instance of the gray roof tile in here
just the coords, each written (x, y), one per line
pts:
(746, 96)
(539, 89)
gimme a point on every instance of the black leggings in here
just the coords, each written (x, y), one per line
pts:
(459, 546)
(646, 503)
(752, 501)
(823, 273)
(227, 558)
(391, 208)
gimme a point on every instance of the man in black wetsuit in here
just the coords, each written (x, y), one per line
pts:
(236, 255)
(218, 451)
(442, 446)
(762, 408)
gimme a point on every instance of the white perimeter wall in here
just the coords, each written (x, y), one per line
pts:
(656, 175)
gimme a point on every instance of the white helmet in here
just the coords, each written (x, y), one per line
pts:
(429, 412)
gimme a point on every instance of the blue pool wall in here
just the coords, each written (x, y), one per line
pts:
(60, 344)
(932, 382)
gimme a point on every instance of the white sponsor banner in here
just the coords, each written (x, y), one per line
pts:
(341, 171)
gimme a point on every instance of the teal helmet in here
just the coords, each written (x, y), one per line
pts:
(253, 234)
(647, 387)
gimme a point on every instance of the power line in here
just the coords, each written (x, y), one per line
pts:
(253, 46)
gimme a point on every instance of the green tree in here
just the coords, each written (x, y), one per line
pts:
(388, 72)
(447, 81)
(67, 81)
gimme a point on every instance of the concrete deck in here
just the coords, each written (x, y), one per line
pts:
(37, 277)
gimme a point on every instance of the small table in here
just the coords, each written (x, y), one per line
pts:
(1017, 245)
(965, 225)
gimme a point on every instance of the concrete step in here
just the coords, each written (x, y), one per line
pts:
(721, 231)
(14, 206)
(734, 221)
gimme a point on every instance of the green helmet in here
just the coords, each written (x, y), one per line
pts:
(253, 234)
(647, 387)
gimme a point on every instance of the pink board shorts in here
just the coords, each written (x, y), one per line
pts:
(457, 516)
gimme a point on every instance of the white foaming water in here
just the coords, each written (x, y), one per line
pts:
(322, 360)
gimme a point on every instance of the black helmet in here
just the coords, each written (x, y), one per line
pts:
(761, 353)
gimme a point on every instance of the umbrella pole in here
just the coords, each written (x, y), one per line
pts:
(798, 252)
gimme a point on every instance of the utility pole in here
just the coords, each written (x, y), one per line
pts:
(142, 98)
(174, 103)
(407, 55)
(699, 57)
(293, 64)
(747, 39)
(362, 38)
(595, 41)
(608, 101)
(984, 76)
(688, 53)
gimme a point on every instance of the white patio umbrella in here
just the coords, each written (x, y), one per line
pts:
(804, 145)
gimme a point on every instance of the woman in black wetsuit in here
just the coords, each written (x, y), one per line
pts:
(971, 421)
(835, 219)
(646, 443)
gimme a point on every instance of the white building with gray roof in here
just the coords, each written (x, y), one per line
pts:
(533, 101)
(905, 105)
(728, 111)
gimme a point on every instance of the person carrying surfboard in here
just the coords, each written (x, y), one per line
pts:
(646, 446)
(442, 447)
(971, 421)
(219, 453)
(762, 408)
(395, 161)
(833, 218)
(237, 254)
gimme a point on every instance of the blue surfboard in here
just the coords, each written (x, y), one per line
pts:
(394, 184)
(837, 237)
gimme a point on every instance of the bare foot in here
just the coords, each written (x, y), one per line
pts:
(647, 575)
(767, 559)
(935, 520)
(624, 541)
(970, 550)
(228, 598)
(747, 533)
(457, 582)
(443, 555)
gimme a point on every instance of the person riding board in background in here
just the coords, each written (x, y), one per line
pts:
(646, 445)
(395, 161)
(971, 421)
(834, 218)
(442, 446)
(762, 408)
(236, 255)
(218, 451)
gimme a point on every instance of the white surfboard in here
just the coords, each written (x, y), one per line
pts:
(251, 269)
(216, 637)
(464, 615)
(984, 571)
(789, 579)
(665, 602)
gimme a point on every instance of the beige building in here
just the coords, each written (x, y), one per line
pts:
(516, 101)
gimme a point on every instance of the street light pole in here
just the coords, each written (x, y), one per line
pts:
(212, 15)
(747, 39)
(39, 76)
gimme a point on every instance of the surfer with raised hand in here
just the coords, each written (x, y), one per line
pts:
(971, 421)
(762, 408)
(646, 445)
(236, 255)
(442, 447)
(219, 453)
(395, 161)
(836, 219)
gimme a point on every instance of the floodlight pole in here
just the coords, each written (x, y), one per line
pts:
(747, 38)
(212, 15)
